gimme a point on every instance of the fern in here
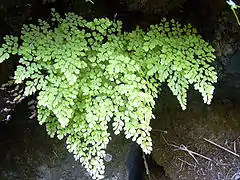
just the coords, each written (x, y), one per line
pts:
(88, 74)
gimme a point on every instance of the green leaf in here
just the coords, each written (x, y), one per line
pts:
(88, 73)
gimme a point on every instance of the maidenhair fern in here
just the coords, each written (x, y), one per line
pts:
(89, 74)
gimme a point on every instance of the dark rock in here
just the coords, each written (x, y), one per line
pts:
(183, 152)
(234, 66)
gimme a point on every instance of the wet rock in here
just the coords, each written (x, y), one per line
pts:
(234, 66)
(36, 156)
(43, 173)
(10, 174)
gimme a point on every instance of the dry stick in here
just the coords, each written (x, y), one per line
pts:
(181, 166)
(234, 175)
(184, 148)
(159, 130)
(186, 162)
(235, 154)
(55, 154)
(191, 153)
(228, 173)
(146, 166)
(234, 147)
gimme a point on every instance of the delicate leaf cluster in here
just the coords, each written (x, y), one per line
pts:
(90, 74)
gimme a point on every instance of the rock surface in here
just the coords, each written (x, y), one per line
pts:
(183, 141)
(28, 153)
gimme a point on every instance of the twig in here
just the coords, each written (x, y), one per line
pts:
(168, 142)
(236, 174)
(165, 140)
(191, 153)
(234, 147)
(184, 148)
(146, 166)
(235, 154)
(181, 166)
(55, 154)
(186, 162)
(207, 158)
(228, 173)
(90, 1)
(159, 130)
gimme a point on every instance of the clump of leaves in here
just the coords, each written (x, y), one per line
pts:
(89, 74)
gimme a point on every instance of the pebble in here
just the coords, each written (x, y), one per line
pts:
(108, 157)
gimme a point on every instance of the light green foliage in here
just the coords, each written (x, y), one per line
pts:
(90, 74)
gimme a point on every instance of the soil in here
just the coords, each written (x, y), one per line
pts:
(180, 140)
